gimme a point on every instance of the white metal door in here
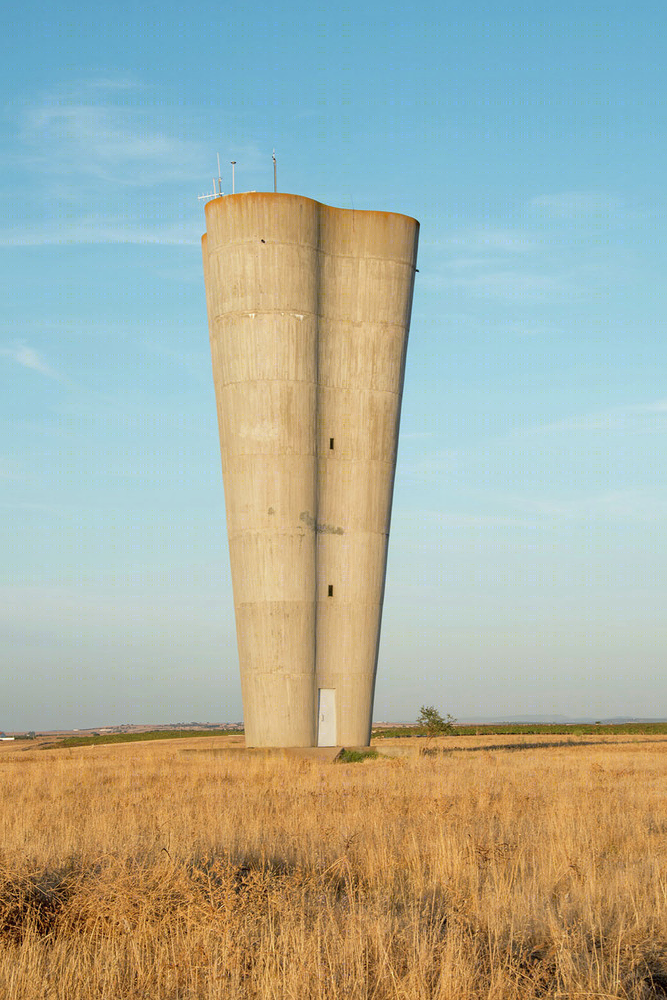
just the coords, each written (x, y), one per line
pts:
(326, 717)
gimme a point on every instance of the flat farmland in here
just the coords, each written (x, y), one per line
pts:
(506, 866)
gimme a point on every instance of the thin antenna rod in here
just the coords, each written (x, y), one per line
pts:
(275, 173)
(233, 162)
(217, 187)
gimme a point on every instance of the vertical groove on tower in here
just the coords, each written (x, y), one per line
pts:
(316, 512)
(309, 309)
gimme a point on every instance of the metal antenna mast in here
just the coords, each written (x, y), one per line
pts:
(233, 163)
(217, 187)
(275, 173)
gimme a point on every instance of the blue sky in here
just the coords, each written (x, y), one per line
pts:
(527, 568)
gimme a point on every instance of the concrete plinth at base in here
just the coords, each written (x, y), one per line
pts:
(326, 755)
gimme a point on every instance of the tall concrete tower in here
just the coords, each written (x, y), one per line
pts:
(308, 309)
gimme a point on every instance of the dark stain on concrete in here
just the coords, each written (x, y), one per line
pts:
(323, 529)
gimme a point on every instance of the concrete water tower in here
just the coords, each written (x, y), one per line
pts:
(308, 310)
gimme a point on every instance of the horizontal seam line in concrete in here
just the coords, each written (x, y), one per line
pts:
(251, 313)
(308, 454)
(328, 601)
(221, 247)
(290, 532)
(308, 381)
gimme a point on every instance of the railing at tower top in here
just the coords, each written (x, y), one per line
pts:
(217, 191)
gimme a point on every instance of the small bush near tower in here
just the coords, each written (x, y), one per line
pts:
(432, 723)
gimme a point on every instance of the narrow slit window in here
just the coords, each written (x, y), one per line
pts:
(331, 440)
(331, 590)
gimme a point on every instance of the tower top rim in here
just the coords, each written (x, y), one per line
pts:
(275, 195)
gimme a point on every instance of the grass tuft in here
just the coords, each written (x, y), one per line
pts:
(356, 756)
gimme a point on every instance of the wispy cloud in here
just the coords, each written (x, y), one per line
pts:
(602, 465)
(91, 230)
(611, 505)
(447, 519)
(112, 131)
(515, 284)
(572, 204)
(108, 83)
(27, 357)
(637, 418)
(511, 284)
(95, 158)
(79, 136)
(554, 251)
(8, 470)
(41, 508)
(500, 263)
(485, 239)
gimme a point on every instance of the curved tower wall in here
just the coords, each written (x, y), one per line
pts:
(309, 309)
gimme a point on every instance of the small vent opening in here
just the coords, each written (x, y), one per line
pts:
(331, 440)
(331, 590)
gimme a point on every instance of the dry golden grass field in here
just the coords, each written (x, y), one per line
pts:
(142, 871)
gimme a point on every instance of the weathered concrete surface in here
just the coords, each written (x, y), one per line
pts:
(309, 310)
